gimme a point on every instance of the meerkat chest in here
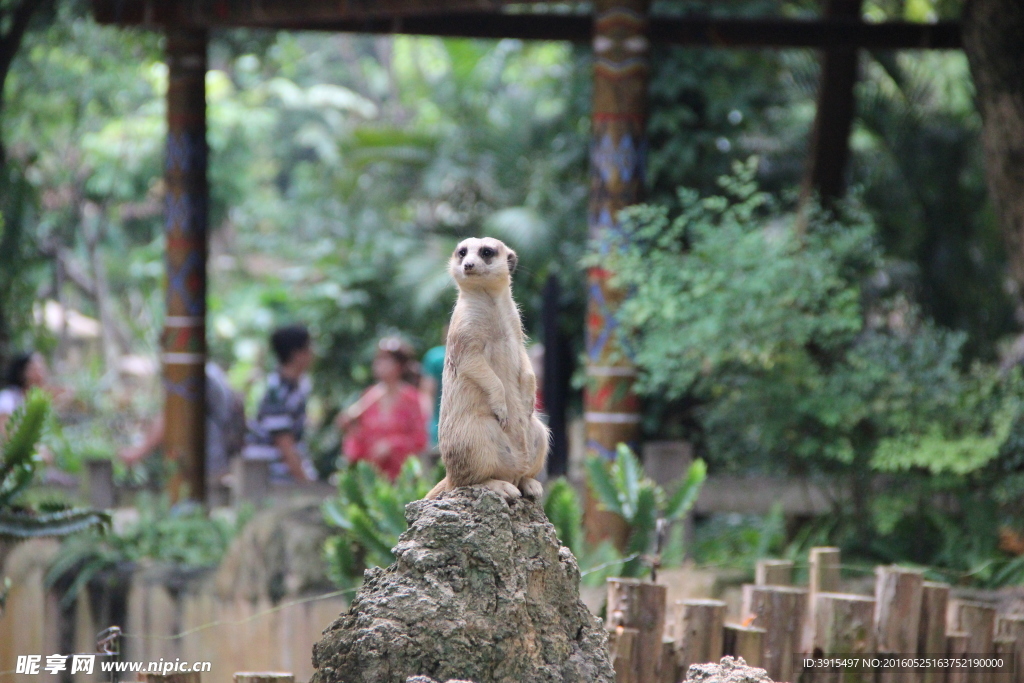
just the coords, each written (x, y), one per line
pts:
(500, 331)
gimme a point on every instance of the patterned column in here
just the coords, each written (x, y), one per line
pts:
(185, 226)
(617, 157)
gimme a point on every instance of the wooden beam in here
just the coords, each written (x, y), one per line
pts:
(684, 31)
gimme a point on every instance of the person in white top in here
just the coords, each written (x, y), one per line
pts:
(24, 371)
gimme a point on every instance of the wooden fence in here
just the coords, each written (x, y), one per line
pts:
(784, 626)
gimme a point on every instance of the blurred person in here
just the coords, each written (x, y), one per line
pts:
(386, 425)
(24, 372)
(225, 418)
(276, 433)
(430, 387)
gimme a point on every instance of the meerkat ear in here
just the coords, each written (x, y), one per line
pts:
(513, 261)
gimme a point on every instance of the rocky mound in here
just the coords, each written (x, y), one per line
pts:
(481, 590)
(729, 670)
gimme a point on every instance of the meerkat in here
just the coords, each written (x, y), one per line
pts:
(489, 432)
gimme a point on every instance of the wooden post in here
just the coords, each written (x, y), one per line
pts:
(744, 641)
(185, 226)
(264, 677)
(774, 573)
(824, 572)
(843, 625)
(699, 630)
(622, 645)
(1004, 648)
(191, 677)
(978, 621)
(822, 577)
(931, 633)
(669, 666)
(957, 646)
(830, 148)
(101, 483)
(637, 604)
(617, 152)
(898, 595)
(780, 611)
(1012, 626)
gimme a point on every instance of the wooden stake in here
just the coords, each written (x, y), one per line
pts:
(744, 641)
(669, 666)
(699, 631)
(1004, 648)
(824, 572)
(780, 611)
(843, 625)
(1012, 626)
(190, 677)
(823, 577)
(957, 645)
(774, 573)
(264, 677)
(898, 595)
(637, 604)
(978, 621)
(931, 631)
(622, 644)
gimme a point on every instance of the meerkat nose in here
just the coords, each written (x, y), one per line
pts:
(468, 266)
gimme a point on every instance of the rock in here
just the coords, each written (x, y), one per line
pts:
(729, 670)
(480, 590)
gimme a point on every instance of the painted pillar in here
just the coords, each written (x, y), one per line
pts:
(185, 228)
(617, 158)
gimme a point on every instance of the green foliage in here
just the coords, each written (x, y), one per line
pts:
(739, 541)
(562, 506)
(369, 511)
(804, 354)
(17, 469)
(799, 351)
(621, 487)
(182, 535)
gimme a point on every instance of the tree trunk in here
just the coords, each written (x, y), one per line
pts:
(993, 36)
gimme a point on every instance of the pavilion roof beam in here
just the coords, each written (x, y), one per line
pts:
(685, 31)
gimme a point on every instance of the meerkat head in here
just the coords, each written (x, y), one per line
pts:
(482, 262)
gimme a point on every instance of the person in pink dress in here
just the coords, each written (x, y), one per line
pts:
(386, 425)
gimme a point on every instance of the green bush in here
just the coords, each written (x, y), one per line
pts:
(183, 535)
(805, 353)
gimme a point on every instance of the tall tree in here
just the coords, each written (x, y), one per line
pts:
(15, 17)
(993, 33)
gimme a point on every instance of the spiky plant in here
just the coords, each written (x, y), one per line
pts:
(17, 469)
(622, 488)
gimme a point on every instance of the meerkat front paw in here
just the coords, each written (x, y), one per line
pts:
(505, 489)
(531, 488)
(501, 414)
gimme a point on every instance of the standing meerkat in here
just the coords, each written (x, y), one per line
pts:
(489, 432)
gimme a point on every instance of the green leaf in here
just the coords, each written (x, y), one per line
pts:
(600, 481)
(686, 495)
(628, 475)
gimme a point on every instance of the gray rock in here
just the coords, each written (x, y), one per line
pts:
(729, 670)
(480, 590)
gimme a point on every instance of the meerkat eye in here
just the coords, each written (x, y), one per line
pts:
(487, 252)
(462, 252)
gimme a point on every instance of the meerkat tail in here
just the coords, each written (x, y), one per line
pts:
(441, 487)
